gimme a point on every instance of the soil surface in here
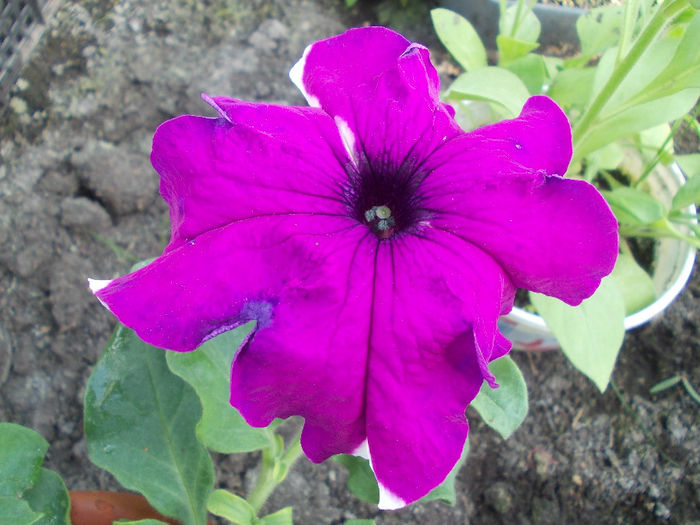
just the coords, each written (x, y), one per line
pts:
(78, 198)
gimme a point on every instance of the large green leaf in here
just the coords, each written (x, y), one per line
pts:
(635, 284)
(503, 408)
(572, 87)
(140, 425)
(29, 494)
(532, 70)
(50, 498)
(361, 480)
(687, 194)
(624, 123)
(491, 84)
(460, 38)
(634, 207)
(445, 491)
(590, 334)
(510, 49)
(208, 371)
(598, 30)
(519, 22)
(21, 453)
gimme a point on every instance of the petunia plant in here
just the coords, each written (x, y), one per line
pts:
(637, 70)
(346, 262)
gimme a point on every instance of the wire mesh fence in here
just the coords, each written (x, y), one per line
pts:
(19, 20)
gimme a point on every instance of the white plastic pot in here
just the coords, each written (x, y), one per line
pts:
(673, 264)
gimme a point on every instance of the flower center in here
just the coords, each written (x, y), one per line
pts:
(385, 198)
(380, 221)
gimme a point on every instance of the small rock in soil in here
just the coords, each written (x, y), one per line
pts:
(84, 213)
(124, 181)
(68, 289)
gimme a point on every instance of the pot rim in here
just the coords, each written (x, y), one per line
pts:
(662, 301)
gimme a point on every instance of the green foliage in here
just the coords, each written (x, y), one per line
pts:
(503, 408)
(207, 369)
(638, 70)
(590, 334)
(140, 426)
(29, 494)
(238, 511)
(460, 38)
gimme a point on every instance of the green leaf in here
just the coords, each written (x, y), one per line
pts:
(687, 194)
(28, 492)
(599, 29)
(460, 38)
(140, 426)
(590, 334)
(445, 491)
(227, 505)
(690, 164)
(683, 70)
(532, 70)
(50, 498)
(208, 371)
(572, 88)
(361, 480)
(148, 521)
(360, 522)
(510, 49)
(634, 207)
(519, 22)
(491, 84)
(503, 408)
(635, 284)
(281, 517)
(665, 384)
(636, 118)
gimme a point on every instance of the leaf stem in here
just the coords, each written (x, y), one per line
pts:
(274, 466)
(665, 12)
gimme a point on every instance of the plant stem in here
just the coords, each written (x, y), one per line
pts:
(273, 469)
(674, 129)
(665, 12)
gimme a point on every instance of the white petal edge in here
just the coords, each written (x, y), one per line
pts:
(97, 284)
(348, 138)
(388, 500)
(296, 75)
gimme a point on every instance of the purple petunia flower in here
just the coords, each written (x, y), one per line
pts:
(374, 242)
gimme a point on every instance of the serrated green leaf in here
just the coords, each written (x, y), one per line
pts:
(140, 425)
(460, 38)
(590, 334)
(445, 491)
(281, 517)
(234, 508)
(491, 84)
(687, 194)
(208, 371)
(635, 284)
(361, 480)
(505, 407)
(634, 207)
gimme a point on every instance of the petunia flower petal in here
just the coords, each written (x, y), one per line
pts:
(436, 304)
(255, 160)
(313, 361)
(499, 189)
(224, 278)
(388, 107)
